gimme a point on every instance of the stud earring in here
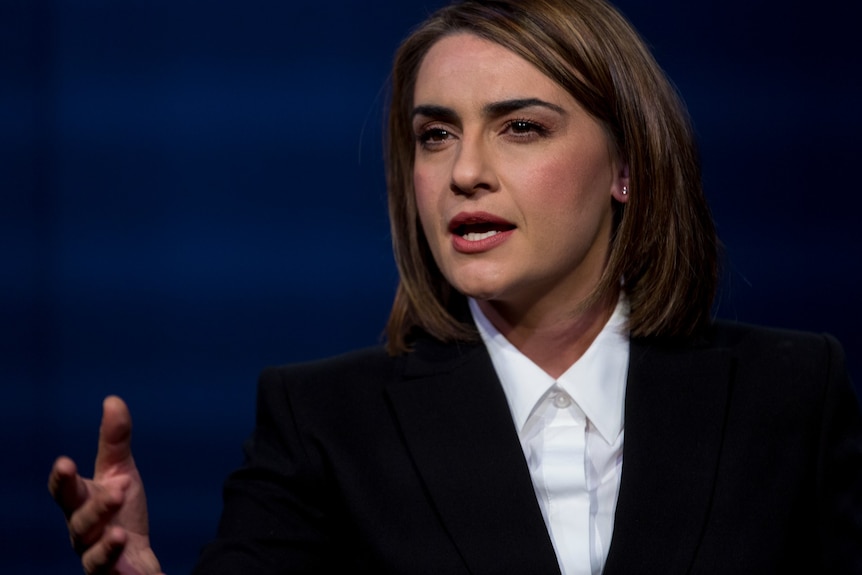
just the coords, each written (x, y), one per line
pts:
(625, 191)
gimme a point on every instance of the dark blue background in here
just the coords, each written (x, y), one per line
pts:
(194, 190)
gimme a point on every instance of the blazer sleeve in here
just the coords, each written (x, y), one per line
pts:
(277, 515)
(839, 475)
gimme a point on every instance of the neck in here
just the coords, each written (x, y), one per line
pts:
(553, 340)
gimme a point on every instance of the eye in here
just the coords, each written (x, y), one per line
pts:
(525, 129)
(432, 137)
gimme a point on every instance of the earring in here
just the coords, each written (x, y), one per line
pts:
(625, 191)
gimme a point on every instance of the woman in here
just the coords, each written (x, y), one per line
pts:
(553, 396)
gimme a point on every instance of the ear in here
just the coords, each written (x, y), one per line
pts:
(621, 190)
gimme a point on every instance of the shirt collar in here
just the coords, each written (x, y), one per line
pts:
(596, 381)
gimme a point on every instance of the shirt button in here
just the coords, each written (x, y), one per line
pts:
(562, 400)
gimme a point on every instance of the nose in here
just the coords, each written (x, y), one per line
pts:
(472, 167)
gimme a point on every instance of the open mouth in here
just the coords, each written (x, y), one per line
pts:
(476, 232)
(477, 228)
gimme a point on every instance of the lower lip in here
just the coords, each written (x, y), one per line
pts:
(465, 246)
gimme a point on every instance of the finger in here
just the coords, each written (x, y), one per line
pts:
(101, 557)
(87, 524)
(67, 487)
(115, 435)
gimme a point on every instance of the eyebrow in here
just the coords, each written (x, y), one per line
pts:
(492, 110)
(496, 109)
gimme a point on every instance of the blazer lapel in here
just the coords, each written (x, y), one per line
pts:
(456, 423)
(674, 421)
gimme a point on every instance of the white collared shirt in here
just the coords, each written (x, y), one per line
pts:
(571, 431)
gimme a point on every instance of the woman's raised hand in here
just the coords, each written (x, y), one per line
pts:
(107, 515)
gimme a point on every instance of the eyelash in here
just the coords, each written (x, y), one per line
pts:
(529, 127)
(425, 137)
(520, 128)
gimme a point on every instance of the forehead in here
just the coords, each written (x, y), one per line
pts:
(464, 65)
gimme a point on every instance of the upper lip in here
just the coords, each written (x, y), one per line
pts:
(482, 221)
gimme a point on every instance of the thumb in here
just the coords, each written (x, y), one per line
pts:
(115, 436)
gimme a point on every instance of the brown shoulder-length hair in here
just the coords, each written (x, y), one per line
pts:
(663, 244)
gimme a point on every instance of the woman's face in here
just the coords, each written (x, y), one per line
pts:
(513, 179)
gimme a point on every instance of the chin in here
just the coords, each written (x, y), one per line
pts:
(476, 290)
(481, 282)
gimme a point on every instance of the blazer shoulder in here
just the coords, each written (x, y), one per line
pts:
(741, 336)
(365, 358)
(345, 375)
(730, 331)
(780, 353)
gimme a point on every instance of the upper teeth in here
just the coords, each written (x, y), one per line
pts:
(476, 236)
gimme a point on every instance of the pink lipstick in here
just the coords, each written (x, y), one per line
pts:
(476, 232)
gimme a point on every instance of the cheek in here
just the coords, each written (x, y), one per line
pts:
(429, 216)
(420, 190)
(569, 202)
(425, 200)
(420, 182)
(575, 180)
(550, 186)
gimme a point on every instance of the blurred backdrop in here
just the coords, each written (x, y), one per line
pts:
(194, 190)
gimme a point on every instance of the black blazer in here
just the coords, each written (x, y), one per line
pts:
(742, 454)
